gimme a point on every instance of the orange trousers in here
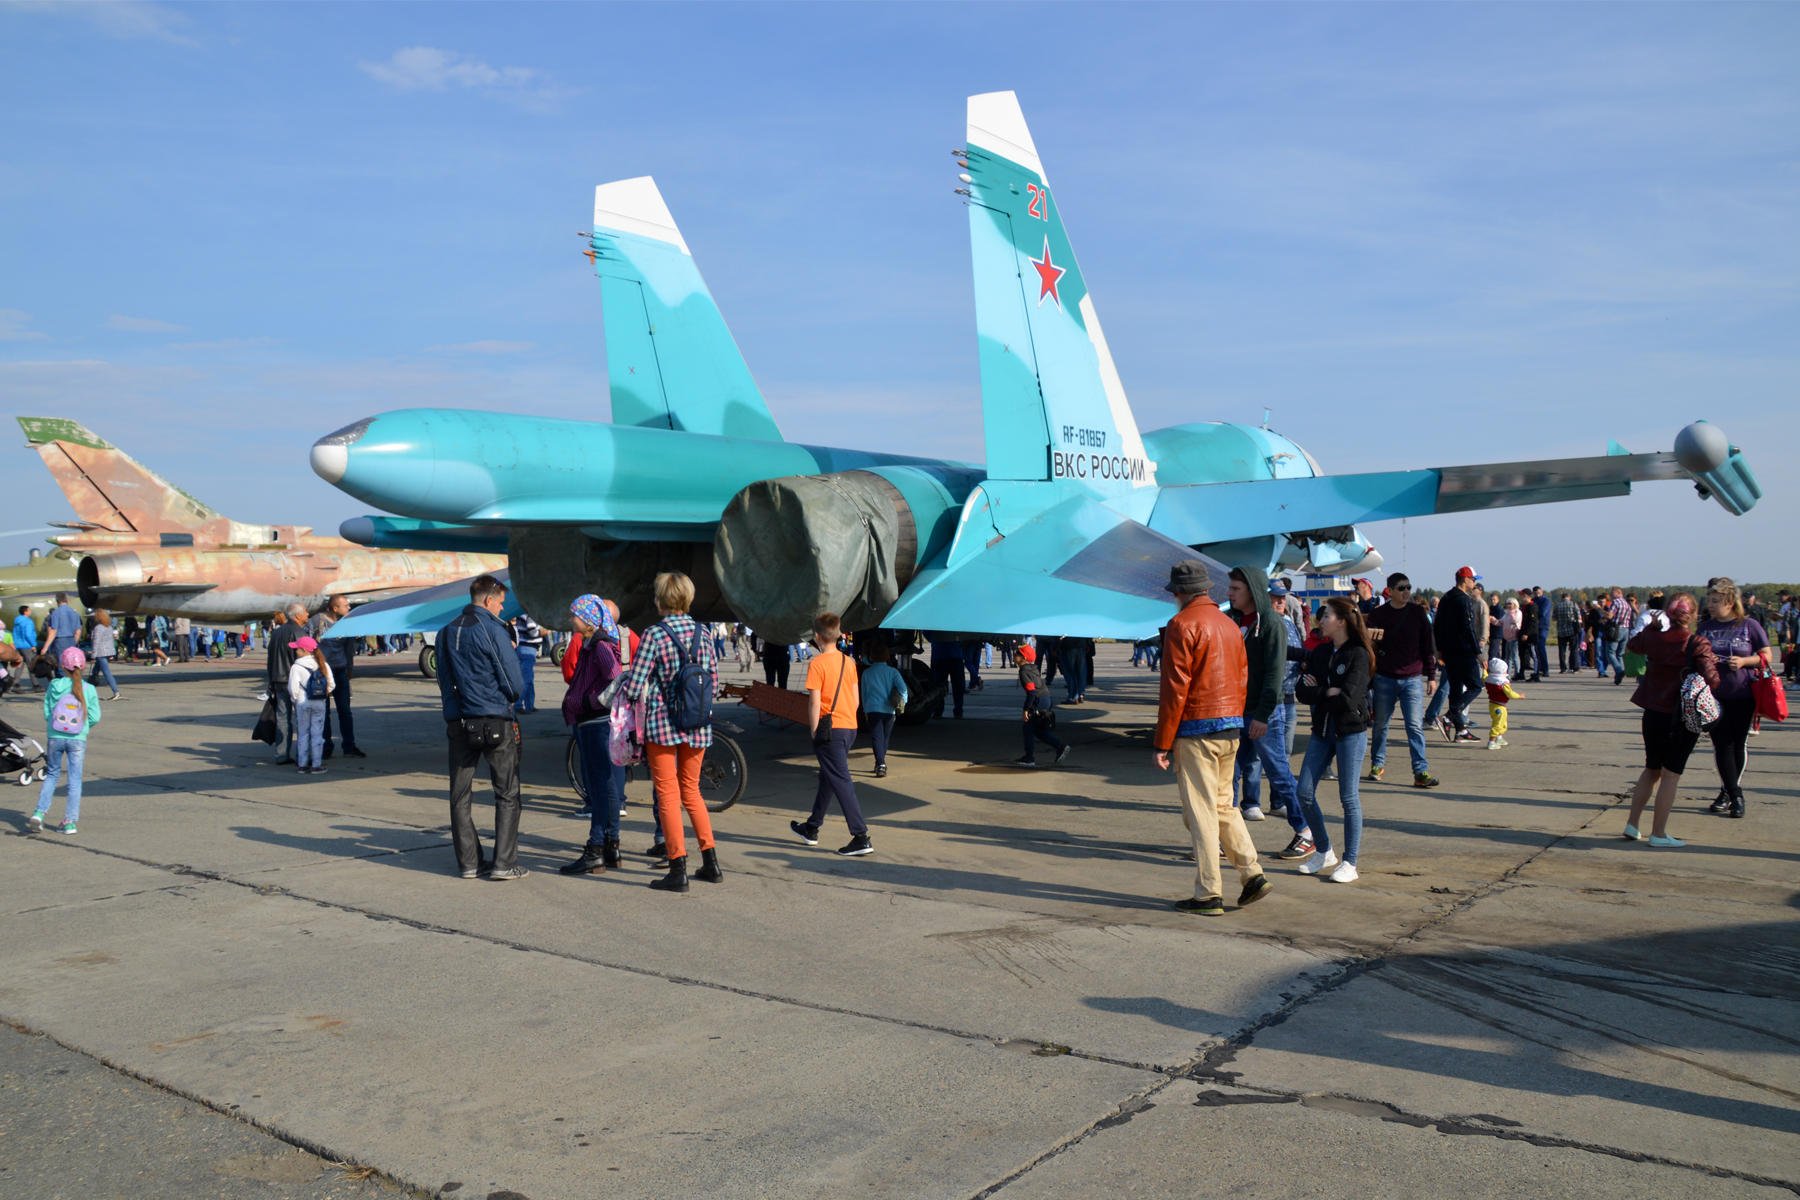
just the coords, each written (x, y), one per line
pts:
(675, 774)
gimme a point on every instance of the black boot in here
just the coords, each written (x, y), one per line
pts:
(658, 852)
(590, 862)
(676, 879)
(709, 867)
(611, 853)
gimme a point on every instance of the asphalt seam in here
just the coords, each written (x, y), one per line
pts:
(277, 1132)
(646, 972)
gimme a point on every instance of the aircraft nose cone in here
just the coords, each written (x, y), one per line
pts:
(330, 462)
(331, 453)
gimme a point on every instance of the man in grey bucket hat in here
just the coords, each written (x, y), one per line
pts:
(1189, 577)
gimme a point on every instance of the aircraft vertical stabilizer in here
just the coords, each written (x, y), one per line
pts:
(108, 489)
(1052, 403)
(670, 359)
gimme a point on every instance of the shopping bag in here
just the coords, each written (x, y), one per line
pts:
(268, 729)
(1771, 697)
(1635, 664)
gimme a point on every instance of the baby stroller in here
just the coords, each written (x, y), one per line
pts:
(21, 757)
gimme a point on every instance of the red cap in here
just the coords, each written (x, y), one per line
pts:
(1027, 653)
(1466, 573)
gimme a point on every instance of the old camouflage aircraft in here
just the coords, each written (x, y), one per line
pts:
(147, 547)
(1068, 528)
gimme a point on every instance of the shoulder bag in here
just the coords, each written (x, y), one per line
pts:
(822, 731)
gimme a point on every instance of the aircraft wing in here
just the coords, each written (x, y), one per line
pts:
(426, 610)
(1078, 569)
(1202, 513)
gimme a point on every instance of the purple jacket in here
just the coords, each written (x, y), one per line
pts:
(597, 667)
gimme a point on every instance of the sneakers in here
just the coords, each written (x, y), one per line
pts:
(1321, 861)
(1502, 741)
(1467, 735)
(1495, 743)
(1346, 873)
(1255, 890)
(1737, 808)
(1448, 729)
(508, 875)
(1300, 847)
(806, 833)
(881, 770)
(480, 872)
(1375, 774)
(859, 846)
(1212, 906)
(1631, 834)
(35, 823)
(1024, 762)
(353, 752)
(1253, 812)
(1721, 806)
(1656, 840)
(318, 770)
(1423, 780)
(1064, 752)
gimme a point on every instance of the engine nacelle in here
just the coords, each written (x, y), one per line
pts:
(789, 549)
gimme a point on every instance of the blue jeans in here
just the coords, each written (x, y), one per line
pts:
(1542, 645)
(881, 728)
(1267, 755)
(1036, 732)
(604, 782)
(1616, 649)
(1410, 693)
(103, 670)
(528, 669)
(64, 750)
(1074, 669)
(1348, 751)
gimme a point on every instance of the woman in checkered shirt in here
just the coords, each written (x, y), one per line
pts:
(674, 754)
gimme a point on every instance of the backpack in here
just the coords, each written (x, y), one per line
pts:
(66, 716)
(315, 685)
(690, 695)
(1699, 707)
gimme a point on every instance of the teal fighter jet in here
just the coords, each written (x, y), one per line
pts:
(1069, 527)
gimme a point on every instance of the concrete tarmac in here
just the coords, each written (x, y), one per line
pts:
(1511, 1001)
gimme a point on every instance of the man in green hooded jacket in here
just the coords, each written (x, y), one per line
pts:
(1265, 717)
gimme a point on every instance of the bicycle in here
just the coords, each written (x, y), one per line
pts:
(723, 772)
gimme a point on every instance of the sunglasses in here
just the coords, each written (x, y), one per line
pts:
(1401, 587)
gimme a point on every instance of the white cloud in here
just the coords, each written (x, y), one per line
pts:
(484, 347)
(142, 325)
(124, 19)
(426, 68)
(11, 320)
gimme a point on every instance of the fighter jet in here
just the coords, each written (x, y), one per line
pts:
(35, 583)
(1068, 528)
(147, 547)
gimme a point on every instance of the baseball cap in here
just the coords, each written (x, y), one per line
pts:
(1467, 573)
(305, 645)
(1278, 587)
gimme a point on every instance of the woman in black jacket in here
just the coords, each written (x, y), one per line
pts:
(1335, 681)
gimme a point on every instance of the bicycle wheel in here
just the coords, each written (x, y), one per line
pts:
(575, 779)
(723, 773)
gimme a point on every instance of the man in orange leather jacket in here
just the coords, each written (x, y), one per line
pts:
(1199, 723)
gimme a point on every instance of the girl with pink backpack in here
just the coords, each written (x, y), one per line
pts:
(71, 708)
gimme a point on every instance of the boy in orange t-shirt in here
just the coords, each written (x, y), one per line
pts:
(832, 698)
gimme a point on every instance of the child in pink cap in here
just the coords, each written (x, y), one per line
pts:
(71, 708)
(309, 685)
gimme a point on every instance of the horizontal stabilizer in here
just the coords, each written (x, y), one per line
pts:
(425, 611)
(155, 589)
(670, 360)
(1077, 570)
(1198, 514)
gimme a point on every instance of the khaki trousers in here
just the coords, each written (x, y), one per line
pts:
(1203, 778)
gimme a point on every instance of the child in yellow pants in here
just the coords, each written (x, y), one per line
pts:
(1499, 691)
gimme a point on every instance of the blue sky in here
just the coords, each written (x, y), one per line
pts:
(1420, 235)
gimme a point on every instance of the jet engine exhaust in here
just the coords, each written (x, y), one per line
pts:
(101, 573)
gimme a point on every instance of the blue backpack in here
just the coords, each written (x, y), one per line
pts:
(315, 685)
(690, 695)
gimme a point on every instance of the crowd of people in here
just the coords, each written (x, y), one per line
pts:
(1233, 678)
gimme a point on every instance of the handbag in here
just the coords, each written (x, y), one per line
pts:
(1771, 697)
(822, 731)
(268, 729)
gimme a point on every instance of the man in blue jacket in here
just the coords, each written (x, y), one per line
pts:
(24, 631)
(479, 682)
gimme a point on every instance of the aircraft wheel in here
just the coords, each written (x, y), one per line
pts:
(557, 651)
(428, 662)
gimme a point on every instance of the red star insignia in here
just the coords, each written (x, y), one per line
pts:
(1048, 274)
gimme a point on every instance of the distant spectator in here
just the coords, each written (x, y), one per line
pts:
(884, 694)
